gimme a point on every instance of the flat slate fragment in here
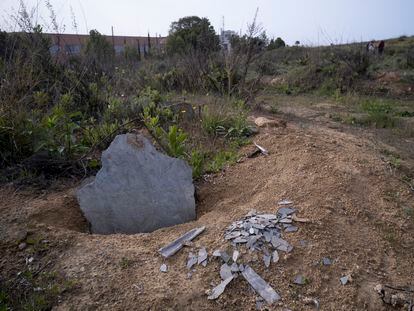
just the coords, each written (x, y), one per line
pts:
(260, 286)
(286, 211)
(275, 257)
(326, 261)
(176, 245)
(192, 260)
(219, 289)
(300, 280)
(164, 268)
(266, 259)
(224, 256)
(291, 229)
(344, 280)
(225, 272)
(285, 202)
(240, 240)
(202, 255)
(235, 255)
(217, 253)
(234, 267)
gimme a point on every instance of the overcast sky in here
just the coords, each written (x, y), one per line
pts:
(309, 21)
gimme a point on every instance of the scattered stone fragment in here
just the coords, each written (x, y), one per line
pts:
(176, 245)
(268, 216)
(240, 240)
(224, 256)
(164, 268)
(344, 280)
(225, 272)
(285, 202)
(233, 235)
(22, 246)
(286, 211)
(217, 253)
(326, 261)
(202, 255)
(291, 229)
(241, 268)
(260, 286)
(219, 289)
(275, 257)
(251, 231)
(234, 267)
(235, 255)
(262, 150)
(300, 280)
(311, 301)
(192, 260)
(266, 259)
(286, 220)
(297, 219)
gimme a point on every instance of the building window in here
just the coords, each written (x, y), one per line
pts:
(73, 48)
(54, 49)
(119, 49)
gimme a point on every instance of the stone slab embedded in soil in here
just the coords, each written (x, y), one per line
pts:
(260, 286)
(138, 189)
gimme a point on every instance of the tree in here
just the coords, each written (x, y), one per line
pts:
(98, 49)
(297, 43)
(149, 43)
(276, 44)
(192, 33)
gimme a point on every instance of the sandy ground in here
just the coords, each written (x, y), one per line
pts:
(338, 178)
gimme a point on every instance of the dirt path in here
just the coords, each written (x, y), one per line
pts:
(337, 179)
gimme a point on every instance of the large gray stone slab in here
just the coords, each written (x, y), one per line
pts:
(138, 189)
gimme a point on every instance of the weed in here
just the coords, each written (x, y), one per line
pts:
(176, 142)
(218, 123)
(197, 163)
(409, 212)
(390, 236)
(212, 122)
(379, 114)
(125, 262)
(220, 160)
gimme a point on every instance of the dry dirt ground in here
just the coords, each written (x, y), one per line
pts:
(336, 176)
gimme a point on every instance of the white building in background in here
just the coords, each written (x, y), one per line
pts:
(225, 39)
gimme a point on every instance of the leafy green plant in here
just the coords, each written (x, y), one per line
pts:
(176, 142)
(59, 133)
(197, 163)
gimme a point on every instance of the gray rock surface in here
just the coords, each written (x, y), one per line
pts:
(138, 189)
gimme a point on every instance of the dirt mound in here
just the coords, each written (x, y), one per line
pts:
(338, 180)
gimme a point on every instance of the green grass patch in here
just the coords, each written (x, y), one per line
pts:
(220, 160)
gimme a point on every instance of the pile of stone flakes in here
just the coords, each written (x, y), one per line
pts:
(258, 233)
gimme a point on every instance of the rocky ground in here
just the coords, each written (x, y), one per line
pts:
(340, 177)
